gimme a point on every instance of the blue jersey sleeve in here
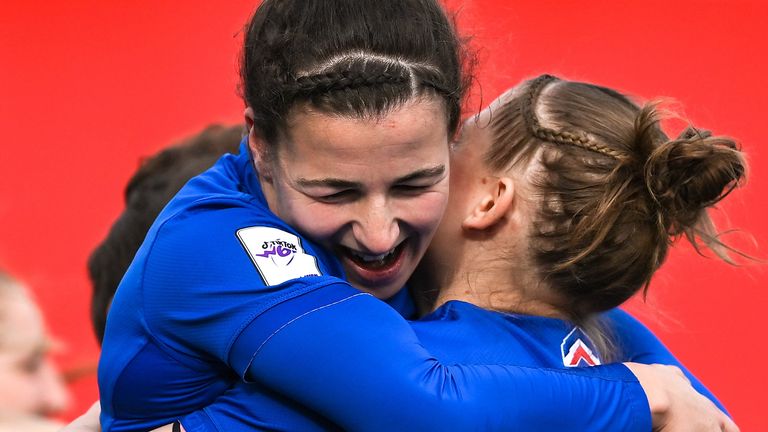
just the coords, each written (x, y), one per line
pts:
(208, 277)
(636, 343)
(357, 363)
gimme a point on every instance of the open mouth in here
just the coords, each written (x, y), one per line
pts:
(375, 262)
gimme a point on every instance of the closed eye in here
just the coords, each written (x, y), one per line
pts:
(407, 189)
(340, 197)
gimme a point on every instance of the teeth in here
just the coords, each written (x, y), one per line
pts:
(372, 258)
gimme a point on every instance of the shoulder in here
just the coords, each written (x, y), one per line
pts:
(227, 243)
(213, 269)
(220, 221)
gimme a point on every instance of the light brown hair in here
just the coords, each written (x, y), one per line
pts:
(614, 190)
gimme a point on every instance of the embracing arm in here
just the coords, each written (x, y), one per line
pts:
(358, 363)
(347, 355)
(374, 375)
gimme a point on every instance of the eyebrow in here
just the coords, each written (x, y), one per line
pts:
(424, 173)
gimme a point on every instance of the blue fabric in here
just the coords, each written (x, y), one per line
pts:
(459, 333)
(403, 303)
(201, 308)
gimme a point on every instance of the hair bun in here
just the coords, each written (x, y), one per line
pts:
(686, 175)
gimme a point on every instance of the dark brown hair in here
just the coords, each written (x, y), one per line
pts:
(349, 57)
(150, 188)
(614, 190)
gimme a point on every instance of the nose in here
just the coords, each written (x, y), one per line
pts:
(376, 229)
(54, 397)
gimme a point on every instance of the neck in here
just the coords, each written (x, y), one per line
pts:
(489, 277)
(489, 294)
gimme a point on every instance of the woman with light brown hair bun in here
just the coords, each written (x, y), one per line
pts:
(602, 190)
(565, 199)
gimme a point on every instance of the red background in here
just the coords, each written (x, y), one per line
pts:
(89, 87)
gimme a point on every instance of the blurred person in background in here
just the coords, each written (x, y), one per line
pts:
(149, 189)
(158, 178)
(31, 389)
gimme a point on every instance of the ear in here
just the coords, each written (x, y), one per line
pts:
(257, 147)
(493, 207)
(248, 114)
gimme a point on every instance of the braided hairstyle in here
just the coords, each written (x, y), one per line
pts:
(356, 58)
(614, 190)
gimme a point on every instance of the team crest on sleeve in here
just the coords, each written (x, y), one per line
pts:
(277, 255)
(576, 350)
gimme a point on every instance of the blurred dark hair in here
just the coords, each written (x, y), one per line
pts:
(150, 188)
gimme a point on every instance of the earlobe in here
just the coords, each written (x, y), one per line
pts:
(254, 143)
(257, 147)
(493, 207)
(248, 114)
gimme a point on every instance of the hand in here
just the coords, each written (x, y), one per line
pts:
(88, 422)
(675, 405)
(168, 428)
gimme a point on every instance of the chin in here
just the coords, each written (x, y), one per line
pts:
(380, 292)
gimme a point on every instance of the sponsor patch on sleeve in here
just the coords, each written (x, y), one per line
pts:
(277, 255)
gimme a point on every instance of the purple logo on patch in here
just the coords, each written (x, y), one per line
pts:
(277, 248)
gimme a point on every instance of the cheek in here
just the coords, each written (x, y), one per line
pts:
(457, 204)
(317, 221)
(425, 213)
(16, 393)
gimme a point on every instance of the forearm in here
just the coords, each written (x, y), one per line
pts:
(360, 365)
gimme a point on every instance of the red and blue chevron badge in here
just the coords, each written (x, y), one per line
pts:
(577, 350)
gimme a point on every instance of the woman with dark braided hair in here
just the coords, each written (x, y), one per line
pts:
(344, 173)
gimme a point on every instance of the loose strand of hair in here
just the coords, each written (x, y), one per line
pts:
(596, 226)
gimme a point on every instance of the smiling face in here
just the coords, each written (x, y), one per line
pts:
(372, 190)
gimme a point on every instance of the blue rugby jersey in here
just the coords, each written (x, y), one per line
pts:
(461, 333)
(223, 291)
